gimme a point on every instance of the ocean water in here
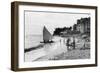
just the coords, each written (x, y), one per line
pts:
(32, 40)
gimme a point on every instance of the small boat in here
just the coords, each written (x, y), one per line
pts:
(47, 37)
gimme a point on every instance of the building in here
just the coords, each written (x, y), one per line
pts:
(83, 25)
(75, 27)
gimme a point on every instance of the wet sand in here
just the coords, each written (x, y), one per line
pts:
(57, 51)
(48, 50)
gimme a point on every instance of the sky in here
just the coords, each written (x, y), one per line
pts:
(35, 21)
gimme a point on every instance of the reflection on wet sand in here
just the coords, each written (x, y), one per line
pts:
(49, 50)
(59, 50)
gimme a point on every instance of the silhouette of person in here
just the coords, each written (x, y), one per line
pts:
(68, 43)
(60, 40)
(73, 42)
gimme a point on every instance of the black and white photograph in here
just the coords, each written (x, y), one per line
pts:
(51, 36)
(56, 36)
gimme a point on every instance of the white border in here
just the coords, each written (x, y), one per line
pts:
(23, 64)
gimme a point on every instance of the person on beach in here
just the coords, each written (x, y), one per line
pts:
(68, 43)
(60, 41)
(73, 42)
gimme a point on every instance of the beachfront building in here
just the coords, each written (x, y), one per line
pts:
(75, 27)
(83, 25)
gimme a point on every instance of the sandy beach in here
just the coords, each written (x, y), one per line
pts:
(57, 51)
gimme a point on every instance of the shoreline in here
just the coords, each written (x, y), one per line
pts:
(34, 48)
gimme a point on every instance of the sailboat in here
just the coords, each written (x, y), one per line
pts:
(47, 37)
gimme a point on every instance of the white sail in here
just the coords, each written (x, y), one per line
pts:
(46, 35)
